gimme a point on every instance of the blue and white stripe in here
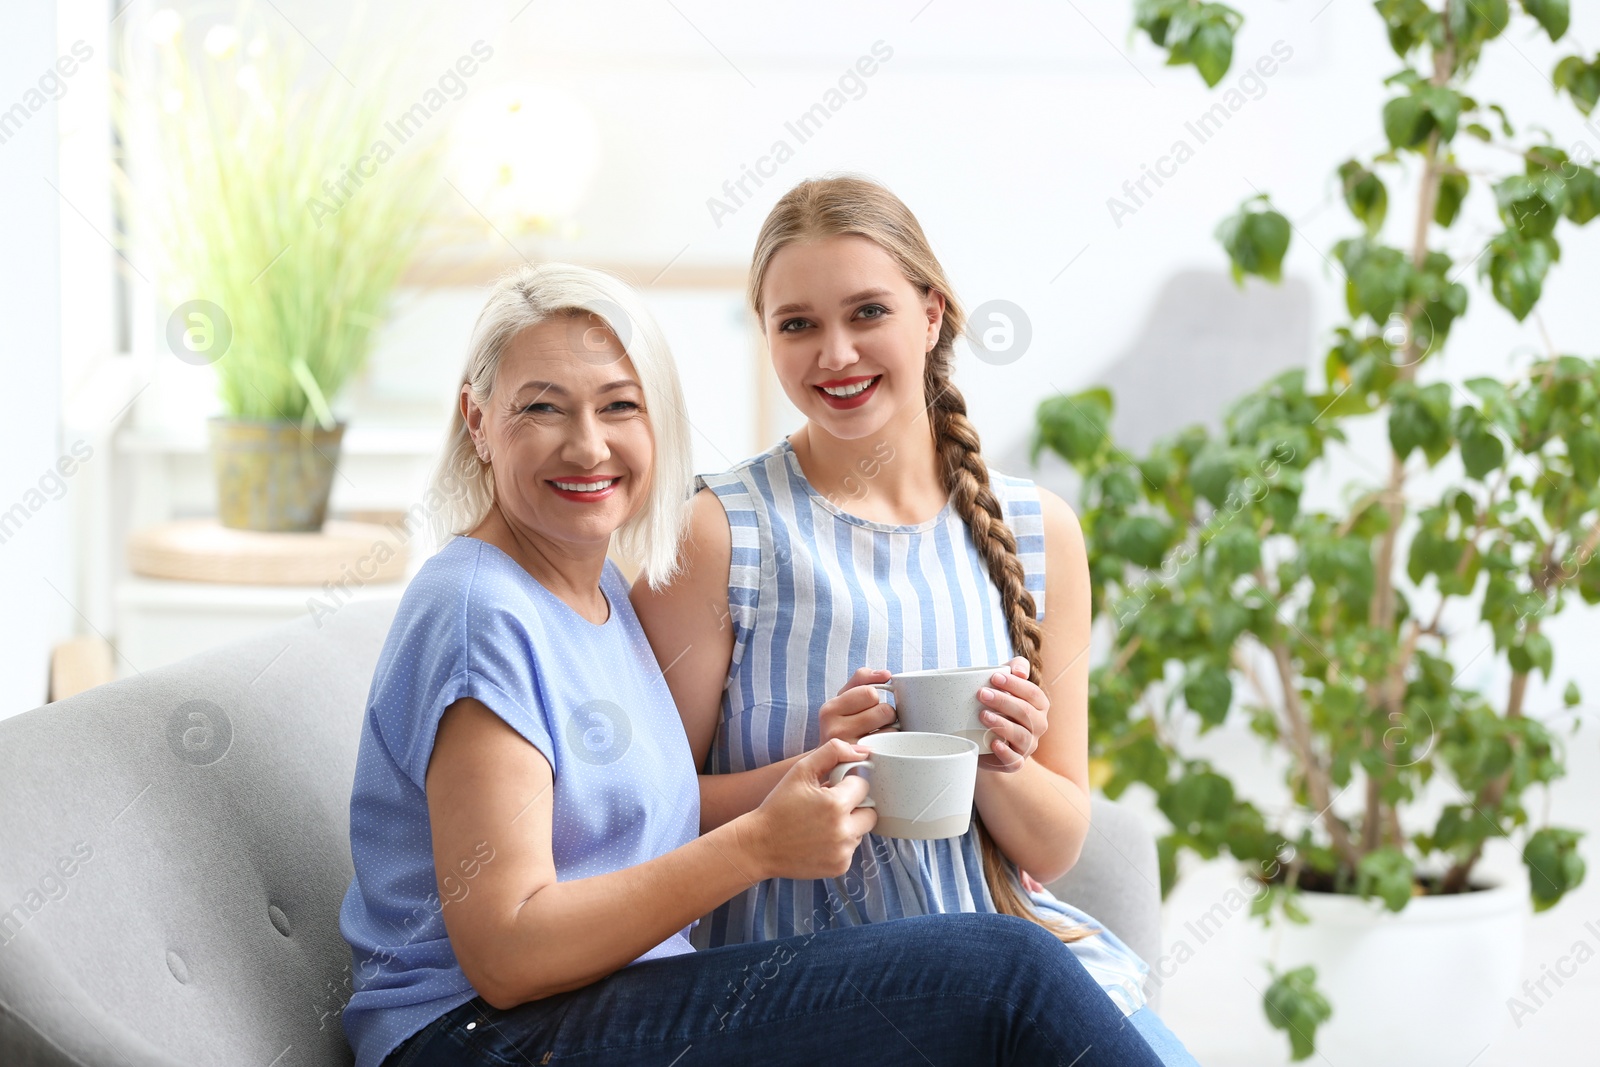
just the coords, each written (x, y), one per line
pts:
(815, 592)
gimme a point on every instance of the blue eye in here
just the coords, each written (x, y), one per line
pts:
(622, 405)
(784, 326)
(537, 404)
(882, 311)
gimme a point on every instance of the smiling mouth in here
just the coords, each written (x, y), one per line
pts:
(584, 485)
(849, 388)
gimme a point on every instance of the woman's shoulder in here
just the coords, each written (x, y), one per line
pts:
(467, 584)
(1009, 485)
(742, 479)
(464, 628)
(1025, 497)
(1020, 498)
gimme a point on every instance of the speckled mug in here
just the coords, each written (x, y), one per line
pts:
(921, 783)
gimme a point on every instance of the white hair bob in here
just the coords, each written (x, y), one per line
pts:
(463, 484)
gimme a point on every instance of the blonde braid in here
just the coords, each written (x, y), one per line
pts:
(967, 479)
(965, 476)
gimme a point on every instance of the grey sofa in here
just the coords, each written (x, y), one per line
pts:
(174, 848)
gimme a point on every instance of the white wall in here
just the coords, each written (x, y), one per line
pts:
(35, 500)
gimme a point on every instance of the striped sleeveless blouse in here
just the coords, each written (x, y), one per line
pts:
(814, 593)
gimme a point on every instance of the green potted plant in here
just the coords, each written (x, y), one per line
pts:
(1338, 632)
(284, 209)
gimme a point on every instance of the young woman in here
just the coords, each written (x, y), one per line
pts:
(872, 540)
(524, 821)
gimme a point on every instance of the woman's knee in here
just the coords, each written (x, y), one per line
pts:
(1021, 935)
(988, 937)
(1016, 948)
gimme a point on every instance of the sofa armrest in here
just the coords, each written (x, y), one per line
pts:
(1117, 880)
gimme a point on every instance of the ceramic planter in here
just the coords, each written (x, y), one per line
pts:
(1427, 984)
(273, 475)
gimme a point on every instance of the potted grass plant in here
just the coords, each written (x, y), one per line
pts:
(283, 213)
(1341, 633)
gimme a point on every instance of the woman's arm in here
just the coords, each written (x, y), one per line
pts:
(1039, 815)
(519, 934)
(692, 635)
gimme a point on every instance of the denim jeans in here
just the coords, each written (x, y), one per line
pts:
(943, 989)
(1168, 1049)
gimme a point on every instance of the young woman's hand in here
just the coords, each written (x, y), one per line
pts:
(1018, 712)
(807, 828)
(857, 710)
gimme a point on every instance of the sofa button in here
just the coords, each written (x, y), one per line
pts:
(279, 919)
(472, 1026)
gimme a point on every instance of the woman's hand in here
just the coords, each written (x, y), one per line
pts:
(857, 710)
(807, 828)
(1018, 712)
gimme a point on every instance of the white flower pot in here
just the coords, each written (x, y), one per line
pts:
(1425, 985)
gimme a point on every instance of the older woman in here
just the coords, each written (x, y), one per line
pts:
(525, 811)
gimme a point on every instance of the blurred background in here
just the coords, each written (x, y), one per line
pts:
(650, 138)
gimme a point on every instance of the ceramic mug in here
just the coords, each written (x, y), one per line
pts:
(943, 701)
(920, 783)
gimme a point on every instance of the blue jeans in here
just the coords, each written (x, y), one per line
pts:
(943, 989)
(1162, 1041)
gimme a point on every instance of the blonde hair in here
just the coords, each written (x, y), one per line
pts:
(527, 296)
(853, 206)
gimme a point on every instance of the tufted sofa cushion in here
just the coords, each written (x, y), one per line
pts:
(174, 848)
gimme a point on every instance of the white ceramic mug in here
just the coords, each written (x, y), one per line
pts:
(943, 701)
(921, 783)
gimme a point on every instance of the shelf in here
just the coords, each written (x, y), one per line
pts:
(204, 550)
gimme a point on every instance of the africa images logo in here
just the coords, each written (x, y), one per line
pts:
(599, 732)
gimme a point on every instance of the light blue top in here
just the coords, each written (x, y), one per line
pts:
(815, 592)
(590, 698)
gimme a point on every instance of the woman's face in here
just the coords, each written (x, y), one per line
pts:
(849, 333)
(566, 432)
